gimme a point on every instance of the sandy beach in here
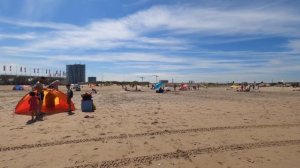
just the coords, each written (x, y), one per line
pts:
(210, 127)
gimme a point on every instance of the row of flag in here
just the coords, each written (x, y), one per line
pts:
(58, 73)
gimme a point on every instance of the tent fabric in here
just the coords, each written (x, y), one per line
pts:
(158, 85)
(55, 101)
(183, 87)
(54, 85)
(235, 86)
(18, 87)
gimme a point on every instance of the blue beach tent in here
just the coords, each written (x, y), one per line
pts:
(18, 87)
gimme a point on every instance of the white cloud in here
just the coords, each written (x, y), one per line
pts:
(35, 9)
(34, 24)
(26, 36)
(294, 45)
(136, 3)
(166, 29)
(132, 31)
(215, 21)
(119, 57)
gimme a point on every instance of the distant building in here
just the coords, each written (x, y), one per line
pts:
(164, 81)
(92, 79)
(76, 73)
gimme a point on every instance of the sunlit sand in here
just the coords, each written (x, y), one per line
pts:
(212, 127)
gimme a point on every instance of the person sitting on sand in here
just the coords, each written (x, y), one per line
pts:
(161, 90)
(94, 91)
(247, 88)
(33, 105)
(242, 87)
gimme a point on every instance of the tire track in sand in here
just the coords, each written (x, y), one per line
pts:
(124, 136)
(186, 153)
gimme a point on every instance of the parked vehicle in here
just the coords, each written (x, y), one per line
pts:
(76, 87)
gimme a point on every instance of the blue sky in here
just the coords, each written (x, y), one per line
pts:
(200, 40)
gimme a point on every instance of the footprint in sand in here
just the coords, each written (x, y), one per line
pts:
(16, 128)
(97, 126)
(65, 137)
(221, 163)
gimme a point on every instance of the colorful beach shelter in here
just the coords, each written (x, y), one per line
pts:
(18, 87)
(55, 101)
(184, 87)
(158, 85)
(235, 86)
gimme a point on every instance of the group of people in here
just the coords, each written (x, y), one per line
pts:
(247, 88)
(37, 99)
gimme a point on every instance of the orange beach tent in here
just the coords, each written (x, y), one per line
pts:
(55, 101)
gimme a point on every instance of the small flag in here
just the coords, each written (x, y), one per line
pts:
(25, 69)
(20, 69)
(33, 70)
(46, 71)
(9, 68)
(38, 70)
(4, 68)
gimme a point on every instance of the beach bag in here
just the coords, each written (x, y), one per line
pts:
(87, 106)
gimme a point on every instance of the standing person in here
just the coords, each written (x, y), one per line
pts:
(69, 99)
(39, 86)
(33, 106)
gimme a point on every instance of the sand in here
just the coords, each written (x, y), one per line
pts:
(211, 127)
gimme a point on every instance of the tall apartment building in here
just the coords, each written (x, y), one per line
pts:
(75, 73)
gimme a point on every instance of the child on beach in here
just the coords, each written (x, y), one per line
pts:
(33, 102)
(39, 87)
(69, 98)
